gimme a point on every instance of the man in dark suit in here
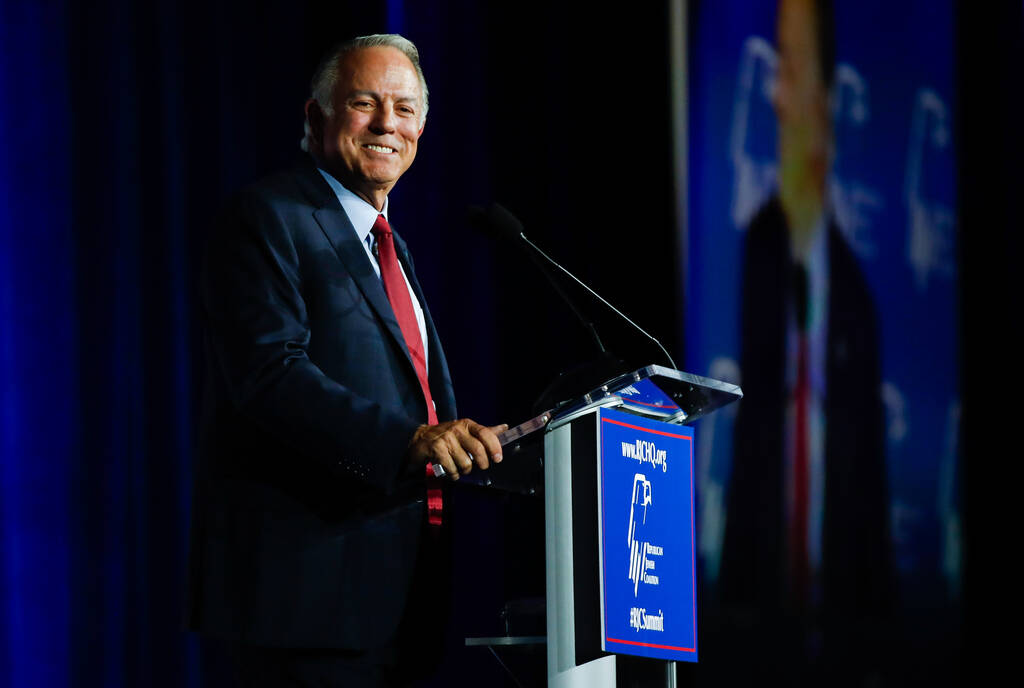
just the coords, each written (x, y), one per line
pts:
(805, 562)
(327, 402)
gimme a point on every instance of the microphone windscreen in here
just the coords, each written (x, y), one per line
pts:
(496, 221)
(504, 223)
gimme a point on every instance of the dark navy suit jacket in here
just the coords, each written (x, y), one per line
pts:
(307, 521)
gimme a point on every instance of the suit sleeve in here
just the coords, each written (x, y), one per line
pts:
(258, 335)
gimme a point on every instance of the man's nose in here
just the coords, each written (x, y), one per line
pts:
(383, 121)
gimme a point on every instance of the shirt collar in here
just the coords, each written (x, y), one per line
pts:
(361, 214)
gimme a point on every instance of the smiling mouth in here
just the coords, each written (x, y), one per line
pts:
(378, 149)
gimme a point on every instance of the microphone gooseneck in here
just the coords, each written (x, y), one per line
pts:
(498, 221)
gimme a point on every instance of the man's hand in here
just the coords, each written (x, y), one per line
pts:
(456, 445)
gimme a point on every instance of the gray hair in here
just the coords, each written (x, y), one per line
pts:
(325, 79)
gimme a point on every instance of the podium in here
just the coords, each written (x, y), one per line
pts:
(615, 466)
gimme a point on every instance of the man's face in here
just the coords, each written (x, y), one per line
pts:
(370, 140)
(801, 106)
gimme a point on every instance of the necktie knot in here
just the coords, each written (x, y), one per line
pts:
(381, 229)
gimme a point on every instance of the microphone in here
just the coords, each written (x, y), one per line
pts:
(496, 220)
(500, 222)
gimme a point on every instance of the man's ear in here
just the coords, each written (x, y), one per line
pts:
(315, 119)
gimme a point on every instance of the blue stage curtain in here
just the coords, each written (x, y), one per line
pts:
(39, 420)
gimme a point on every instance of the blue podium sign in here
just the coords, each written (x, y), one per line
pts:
(646, 525)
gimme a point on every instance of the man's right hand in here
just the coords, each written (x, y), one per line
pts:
(457, 445)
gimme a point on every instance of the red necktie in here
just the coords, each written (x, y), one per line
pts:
(401, 303)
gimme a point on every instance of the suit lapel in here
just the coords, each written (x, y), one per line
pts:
(335, 224)
(342, 236)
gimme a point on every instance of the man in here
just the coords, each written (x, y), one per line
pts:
(805, 557)
(327, 400)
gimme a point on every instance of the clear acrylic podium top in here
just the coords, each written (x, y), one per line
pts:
(653, 391)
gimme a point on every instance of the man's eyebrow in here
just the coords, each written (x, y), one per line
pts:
(365, 94)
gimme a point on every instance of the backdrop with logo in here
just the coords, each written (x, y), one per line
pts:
(892, 192)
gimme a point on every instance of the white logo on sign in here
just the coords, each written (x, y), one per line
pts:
(640, 550)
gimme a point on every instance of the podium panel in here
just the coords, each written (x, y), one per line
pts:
(619, 543)
(646, 555)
